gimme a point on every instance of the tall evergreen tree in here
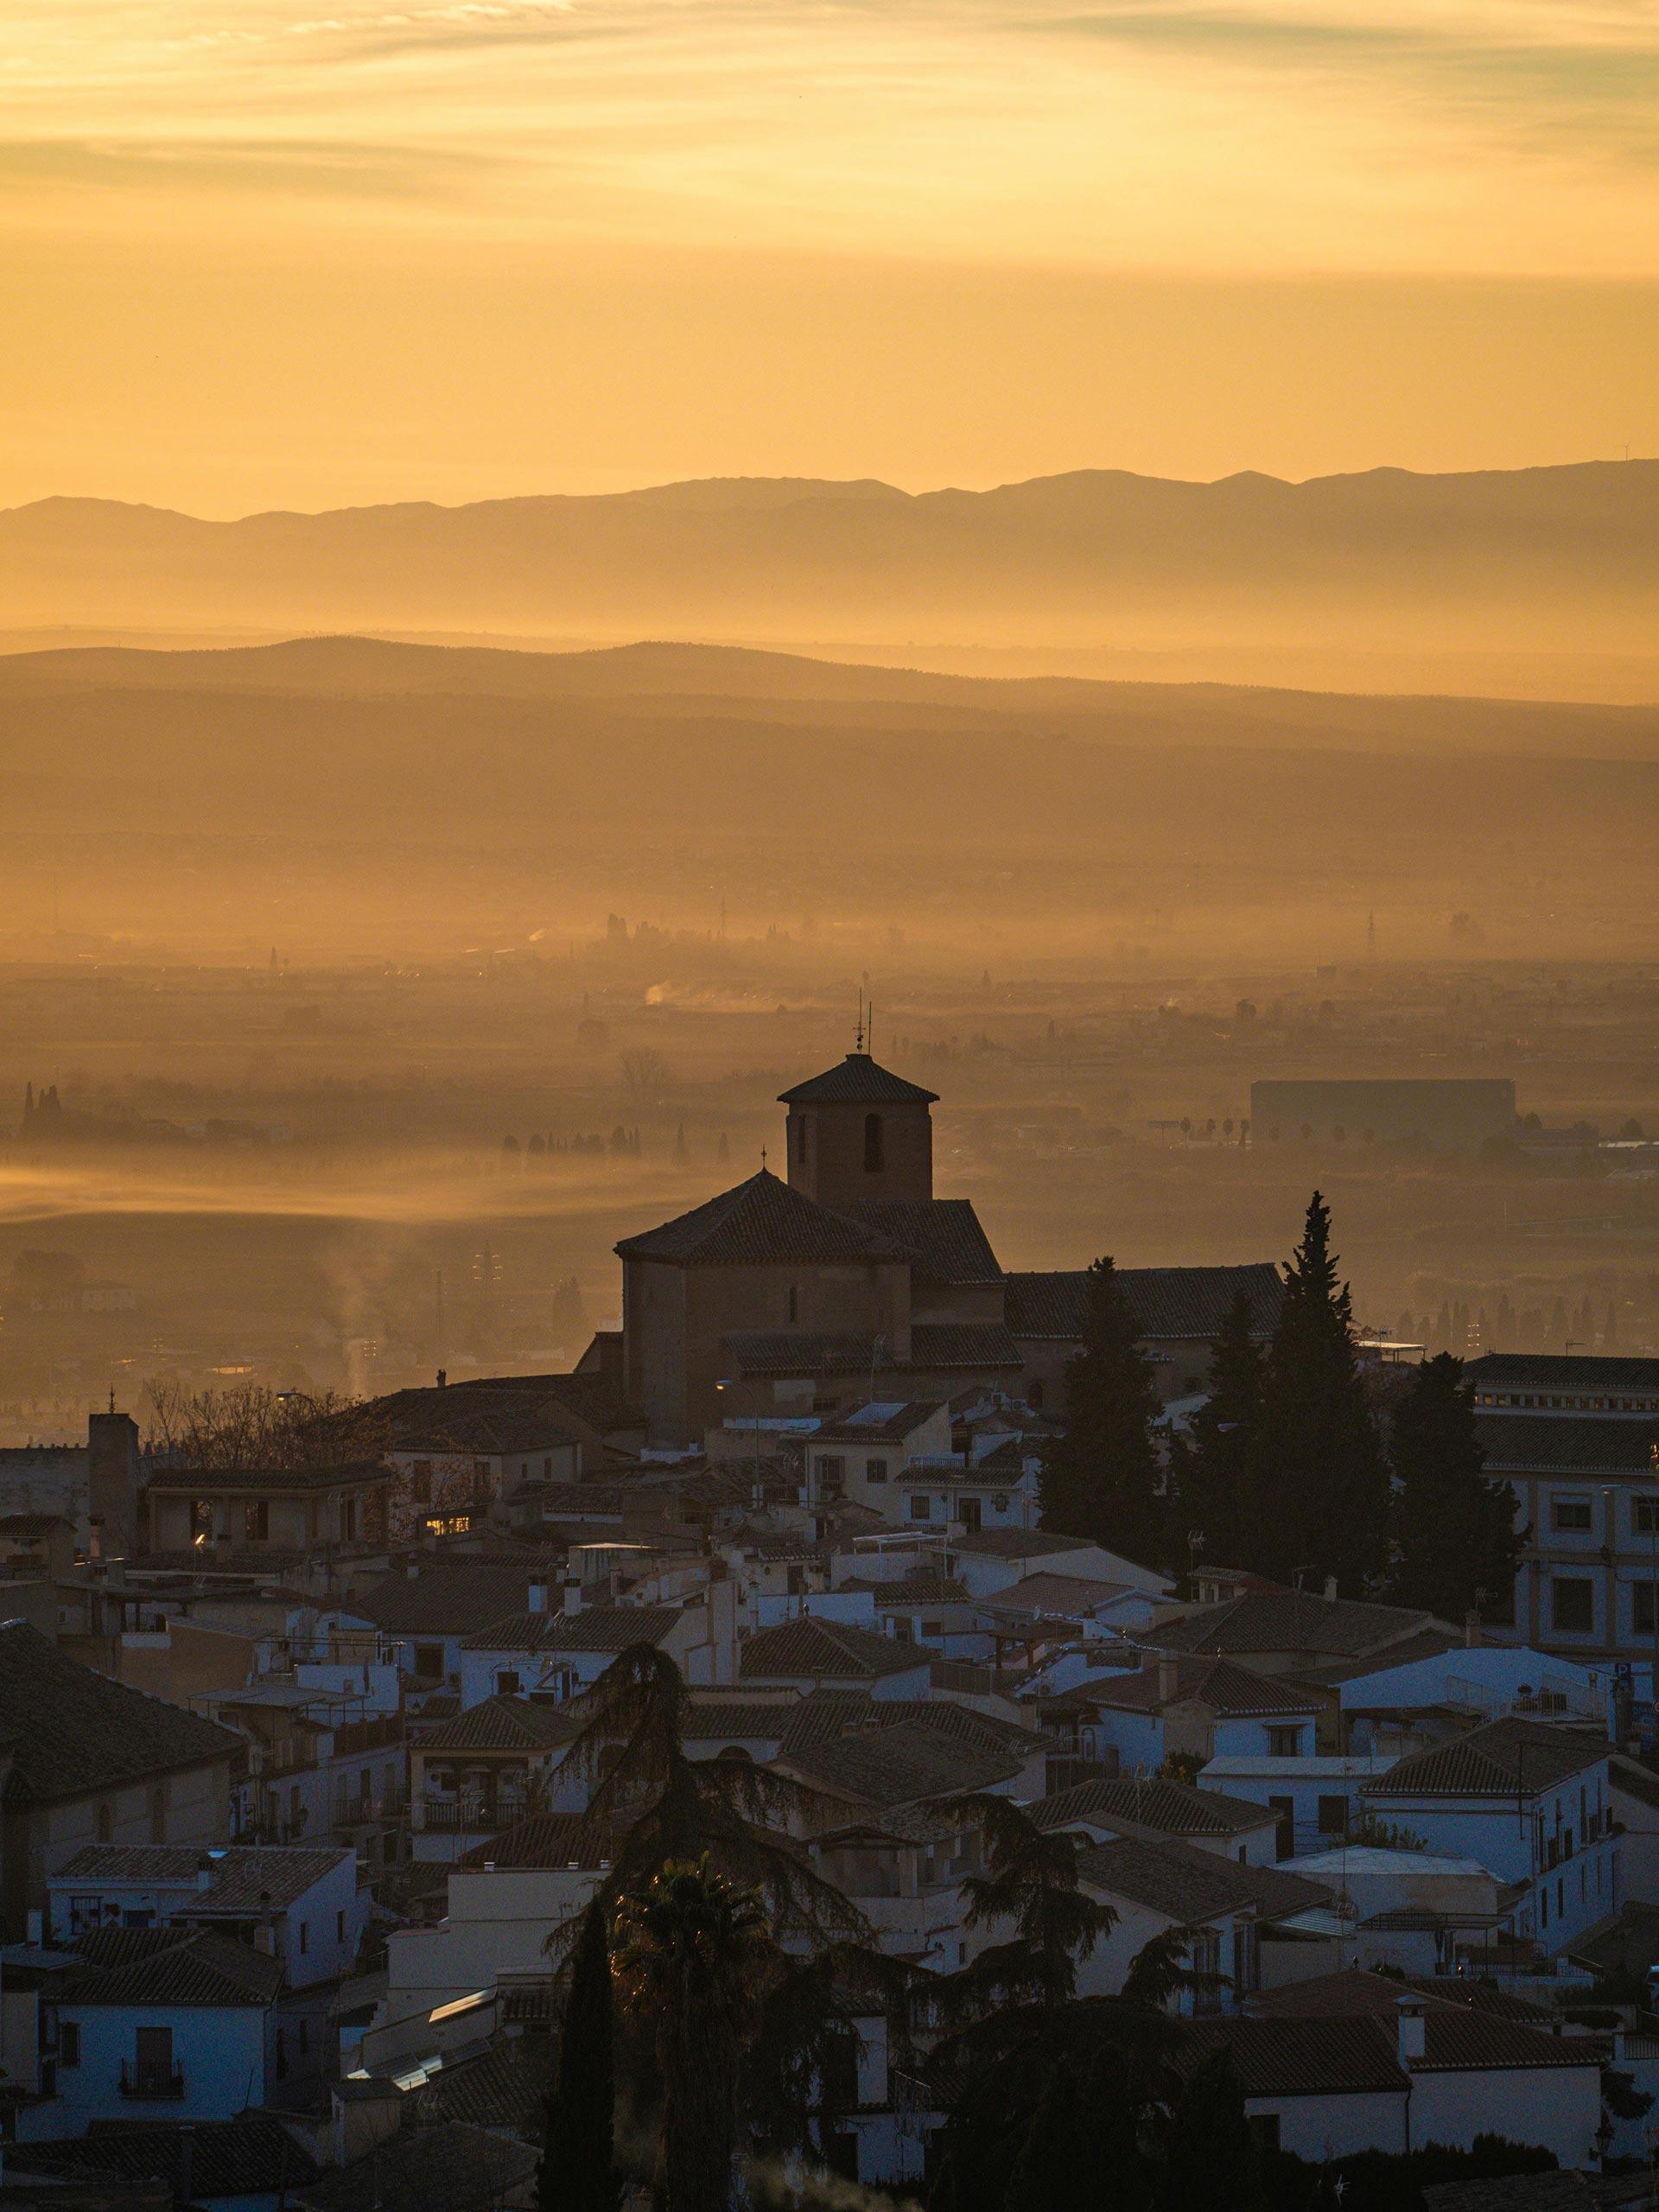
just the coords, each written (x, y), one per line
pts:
(1213, 2164)
(578, 2170)
(1102, 1478)
(1454, 1530)
(1211, 1478)
(1319, 1488)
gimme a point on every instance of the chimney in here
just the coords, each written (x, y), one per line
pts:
(204, 1873)
(1471, 1630)
(443, 1377)
(1412, 2028)
(573, 1593)
(538, 1596)
(1330, 1589)
(1169, 1677)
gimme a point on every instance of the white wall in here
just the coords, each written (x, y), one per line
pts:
(221, 2050)
(1318, 2128)
(1558, 2106)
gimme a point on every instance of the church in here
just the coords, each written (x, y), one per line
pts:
(851, 1279)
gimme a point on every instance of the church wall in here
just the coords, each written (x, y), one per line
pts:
(829, 1300)
(654, 1335)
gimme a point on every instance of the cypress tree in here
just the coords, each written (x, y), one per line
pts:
(1102, 1477)
(1454, 1530)
(578, 2171)
(1212, 1478)
(1320, 1493)
(1213, 2165)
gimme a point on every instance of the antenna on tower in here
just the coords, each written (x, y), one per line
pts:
(869, 1025)
(859, 1045)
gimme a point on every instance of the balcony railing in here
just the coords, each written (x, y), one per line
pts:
(471, 1815)
(143, 2078)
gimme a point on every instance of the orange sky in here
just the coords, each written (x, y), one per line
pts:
(315, 252)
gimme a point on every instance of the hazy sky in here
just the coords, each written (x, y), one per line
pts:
(306, 252)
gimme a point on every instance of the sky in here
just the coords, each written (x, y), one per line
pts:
(317, 253)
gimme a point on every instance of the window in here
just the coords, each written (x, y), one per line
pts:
(340, 1927)
(1284, 1742)
(348, 1520)
(1642, 1607)
(305, 1937)
(1333, 1815)
(832, 1473)
(1571, 1516)
(429, 1660)
(873, 1148)
(800, 1139)
(793, 1304)
(1645, 1515)
(1034, 1397)
(506, 1682)
(420, 1483)
(1284, 1811)
(69, 2042)
(256, 1520)
(875, 1470)
(282, 2054)
(85, 1912)
(921, 1508)
(1573, 1604)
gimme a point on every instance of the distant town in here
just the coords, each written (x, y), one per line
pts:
(1259, 1708)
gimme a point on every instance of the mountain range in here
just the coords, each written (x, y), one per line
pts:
(1560, 561)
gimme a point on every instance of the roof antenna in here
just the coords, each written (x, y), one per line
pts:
(869, 1024)
(859, 1045)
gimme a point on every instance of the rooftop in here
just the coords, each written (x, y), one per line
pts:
(242, 1878)
(1574, 1373)
(1503, 1758)
(1169, 1807)
(1165, 1301)
(759, 1222)
(824, 1649)
(503, 1724)
(70, 1730)
(1182, 1884)
(196, 1969)
(857, 1081)
(1293, 1620)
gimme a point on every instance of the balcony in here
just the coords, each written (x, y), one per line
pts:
(154, 2084)
(471, 1816)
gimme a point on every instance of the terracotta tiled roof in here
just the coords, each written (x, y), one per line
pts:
(503, 1724)
(907, 1765)
(1575, 1374)
(857, 1081)
(545, 1840)
(503, 2087)
(942, 1237)
(595, 1628)
(1218, 1683)
(197, 1970)
(70, 1732)
(1293, 1620)
(240, 1875)
(1277, 2059)
(757, 1224)
(1183, 1883)
(1169, 1807)
(824, 1650)
(1607, 1444)
(1457, 2036)
(254, 2156)
(1165, 1301)
(451, 1596)
(1501, 1759)
(1017, 1544)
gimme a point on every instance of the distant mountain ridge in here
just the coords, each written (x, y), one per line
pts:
(1559, 558)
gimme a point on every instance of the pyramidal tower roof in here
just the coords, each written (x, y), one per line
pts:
(758, 1222)
(858, 1080)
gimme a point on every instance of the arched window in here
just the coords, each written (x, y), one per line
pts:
(872, 1144)
(800, 1140)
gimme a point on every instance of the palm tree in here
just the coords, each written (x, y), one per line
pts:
(693, 1959)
